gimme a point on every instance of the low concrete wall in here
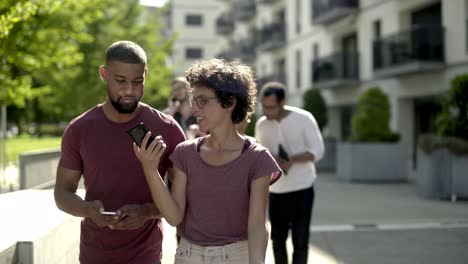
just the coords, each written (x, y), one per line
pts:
(34, 231)
(38, 168)
(372, 162)
(442, 175)
(328, 162)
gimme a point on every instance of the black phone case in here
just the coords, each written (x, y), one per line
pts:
(138, 132)
(282, 153)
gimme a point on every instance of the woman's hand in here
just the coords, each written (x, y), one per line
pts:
(151, 155)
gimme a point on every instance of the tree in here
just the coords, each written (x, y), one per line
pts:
(51, 51)
(39, 39)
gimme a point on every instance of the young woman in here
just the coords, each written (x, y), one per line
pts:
(220, 187)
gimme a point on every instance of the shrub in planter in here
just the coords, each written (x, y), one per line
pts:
(372, 155)
(453, 121)
(443, 162)
(315, 104)
(370, 122)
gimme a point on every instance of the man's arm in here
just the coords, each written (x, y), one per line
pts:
(68, 201)
(65, 195)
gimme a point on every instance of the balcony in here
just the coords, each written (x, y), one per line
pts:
(337, 70)
(225, 24)
(243, 50)
(266, 2)
(244, 9)
(276, 77)
(325, 12)
(419, 49)
(272, 37)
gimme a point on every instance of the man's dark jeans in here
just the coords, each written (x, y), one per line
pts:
(293, 210)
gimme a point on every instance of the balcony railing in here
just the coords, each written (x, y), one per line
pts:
(276, 77)
(244, 9)
(336, 70)
(225, 24)
(272, 37)
(418, 49)
(324, 12)
(243, 50)
(267, 2)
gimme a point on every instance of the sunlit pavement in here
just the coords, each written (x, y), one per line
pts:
(316, 255)
(376, 223)
(9, 179)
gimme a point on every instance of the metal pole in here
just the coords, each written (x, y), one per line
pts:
(3, 144)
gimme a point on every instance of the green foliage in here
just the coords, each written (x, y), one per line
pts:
(453, 120)
(250, 130)
(25, 143)
(370, 122)
(38, 39)
(429, 143)
(315, 104)
(50, 52)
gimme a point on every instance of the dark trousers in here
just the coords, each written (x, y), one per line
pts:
(291, 210)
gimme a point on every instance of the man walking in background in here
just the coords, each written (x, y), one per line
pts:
(293, 136)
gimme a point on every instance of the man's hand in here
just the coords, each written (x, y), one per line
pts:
(284, 165)
(132, 216)
(99, 219)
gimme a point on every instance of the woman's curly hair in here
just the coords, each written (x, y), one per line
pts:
(229, 80)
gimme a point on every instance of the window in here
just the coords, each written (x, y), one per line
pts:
(377, 29)
(193, 53)
(315, 51)
(298, 16)
(298, 69)
(193, 20)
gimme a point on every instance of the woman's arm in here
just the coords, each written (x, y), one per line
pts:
(258, 234)
(172, 207)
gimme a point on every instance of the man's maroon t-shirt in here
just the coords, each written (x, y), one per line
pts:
(103, 151)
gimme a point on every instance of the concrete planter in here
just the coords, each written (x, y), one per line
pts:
(442, 175)
(372, 162)
(328, 161)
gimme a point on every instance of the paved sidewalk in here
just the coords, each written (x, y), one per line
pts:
(360, 223)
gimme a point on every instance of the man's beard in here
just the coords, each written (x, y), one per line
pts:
(124, 108)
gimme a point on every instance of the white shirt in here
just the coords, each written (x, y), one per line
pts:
(298, 132)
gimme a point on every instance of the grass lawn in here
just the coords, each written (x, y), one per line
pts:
(17, 145)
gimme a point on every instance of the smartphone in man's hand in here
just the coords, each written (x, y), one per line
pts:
(138, 132)
(108, 213)
(282, 153)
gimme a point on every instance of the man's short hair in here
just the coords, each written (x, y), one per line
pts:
(125, 51)
(276, 88)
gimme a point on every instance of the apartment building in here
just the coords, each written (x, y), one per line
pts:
(194, 23)
(411, 49)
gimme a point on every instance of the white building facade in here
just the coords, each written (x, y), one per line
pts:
(411, 49)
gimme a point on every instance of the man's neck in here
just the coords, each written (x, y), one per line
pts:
(283, 113)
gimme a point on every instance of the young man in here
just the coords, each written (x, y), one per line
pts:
(293, 136)
(97, 146)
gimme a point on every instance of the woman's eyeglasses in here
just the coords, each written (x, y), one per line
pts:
(200, 101)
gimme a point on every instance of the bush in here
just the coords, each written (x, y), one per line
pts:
(250, 130)
(315, 104)
(429, 143)
(453, 120)
(370, 122)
